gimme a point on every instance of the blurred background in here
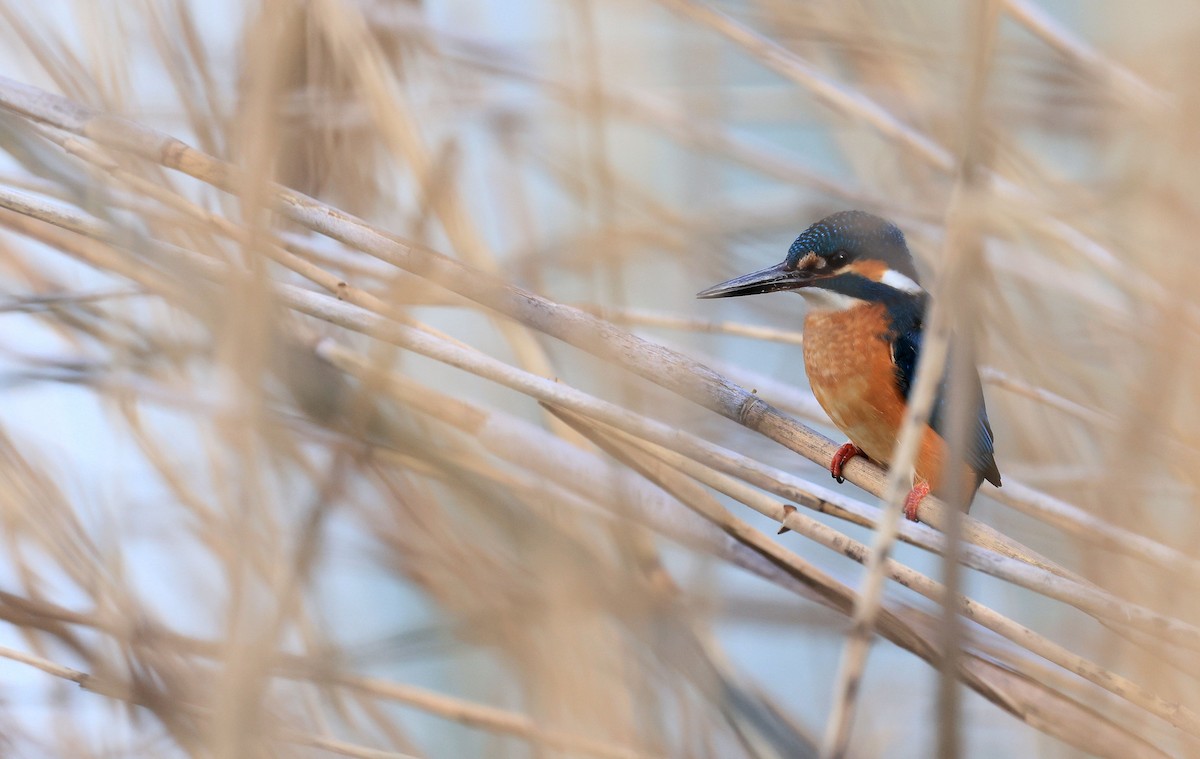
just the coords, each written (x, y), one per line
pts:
(328, 430)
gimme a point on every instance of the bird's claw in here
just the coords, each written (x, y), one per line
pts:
(912, 502)
(844, 454)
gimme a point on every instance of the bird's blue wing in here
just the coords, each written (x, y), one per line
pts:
(906, 351)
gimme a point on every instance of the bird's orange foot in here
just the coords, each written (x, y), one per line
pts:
(913, 501)
(844, 454)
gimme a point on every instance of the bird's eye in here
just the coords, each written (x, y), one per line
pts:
(839, 258)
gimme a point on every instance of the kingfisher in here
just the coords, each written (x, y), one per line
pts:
(862, 340)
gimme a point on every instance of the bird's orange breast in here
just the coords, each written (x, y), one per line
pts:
(848, 359)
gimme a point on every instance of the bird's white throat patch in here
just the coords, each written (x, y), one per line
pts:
(820, 299)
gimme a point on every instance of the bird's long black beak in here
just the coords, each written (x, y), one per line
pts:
(769, 280)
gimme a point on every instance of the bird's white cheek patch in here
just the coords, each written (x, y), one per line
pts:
(898, 281)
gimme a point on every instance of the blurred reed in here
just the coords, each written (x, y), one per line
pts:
(384, 310)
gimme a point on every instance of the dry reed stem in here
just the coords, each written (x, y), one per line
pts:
(645, 318)
(1110, 73)
(341, 748)
(791, 66)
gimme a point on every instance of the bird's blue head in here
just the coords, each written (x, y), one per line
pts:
(846, 258)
